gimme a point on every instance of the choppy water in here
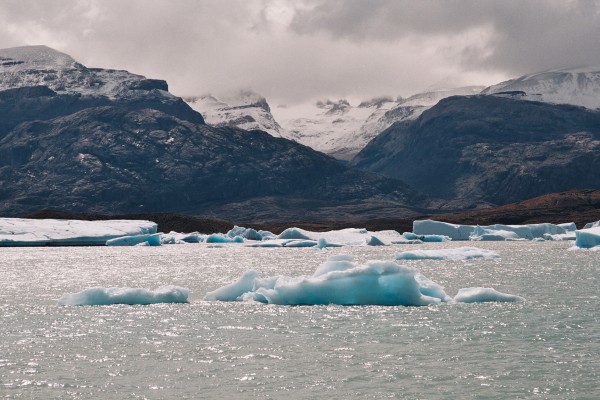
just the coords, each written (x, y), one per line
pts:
(546, 347)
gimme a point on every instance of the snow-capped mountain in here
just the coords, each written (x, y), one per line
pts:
(577, 86)
(340, 129)
(246, 110)
(44, 66)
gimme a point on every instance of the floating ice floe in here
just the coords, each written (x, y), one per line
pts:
(44, 232)
(346, 237)
(490, 232)
(137, 240)
(100, 296)
(484, 295)
(340, 281)
(458, 254)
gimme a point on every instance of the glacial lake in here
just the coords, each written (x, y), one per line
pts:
(547, 347)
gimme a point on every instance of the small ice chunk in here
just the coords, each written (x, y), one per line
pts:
(458, 254)
(592, 225)
(483, 295)
(301, 243)
(123, 295)
(246, 233)
(293, 233)
(374, 241)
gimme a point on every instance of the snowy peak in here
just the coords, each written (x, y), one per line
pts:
(577, 86)
(246, 110)
(44, 66)
(34, 57)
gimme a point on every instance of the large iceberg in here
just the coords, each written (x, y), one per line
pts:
(458, 254)
(44, 232)
(123, 295)
(341, 281)
(489, 232)
(338, 281)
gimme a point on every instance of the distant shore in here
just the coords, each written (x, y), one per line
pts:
(579, 206)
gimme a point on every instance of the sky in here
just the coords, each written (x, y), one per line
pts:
(294, 51)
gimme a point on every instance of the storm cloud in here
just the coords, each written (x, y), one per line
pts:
(296, 50)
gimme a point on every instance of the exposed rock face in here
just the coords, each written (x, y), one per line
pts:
(138, 148)
(480, 150)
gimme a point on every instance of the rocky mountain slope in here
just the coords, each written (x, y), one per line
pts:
(484, 150)
(126, 145)
(577, 86)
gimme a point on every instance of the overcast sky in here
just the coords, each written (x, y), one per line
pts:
(297, 50)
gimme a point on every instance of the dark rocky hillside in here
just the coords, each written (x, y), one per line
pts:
(485, 150)
(129, 146)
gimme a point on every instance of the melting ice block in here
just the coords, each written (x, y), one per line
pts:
(484, 295)
(43, 232)
(106, 296)
(458, 254)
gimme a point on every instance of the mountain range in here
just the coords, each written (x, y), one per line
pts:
(108, 141)
(94, 140)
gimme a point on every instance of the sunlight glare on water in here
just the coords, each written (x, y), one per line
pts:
(545, 347)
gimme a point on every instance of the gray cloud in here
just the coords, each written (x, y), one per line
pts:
(294, 50)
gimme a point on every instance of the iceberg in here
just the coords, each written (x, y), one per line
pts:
(220, 238)
(106, 296)
(338, 281)
(484, 295)
(246, 233)
(592, 225)
(147, 240)
(344, 237)
(485, 234)
(61, 232)
(181, 238)
(341, 281)
(587, 238)
(458, 254)
(489, 232)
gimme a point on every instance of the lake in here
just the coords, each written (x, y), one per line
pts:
(547, 347)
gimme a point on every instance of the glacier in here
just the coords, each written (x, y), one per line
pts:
(46, 232)
(342, 281)
(458, 254)
(100, 296)
(489, 232)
